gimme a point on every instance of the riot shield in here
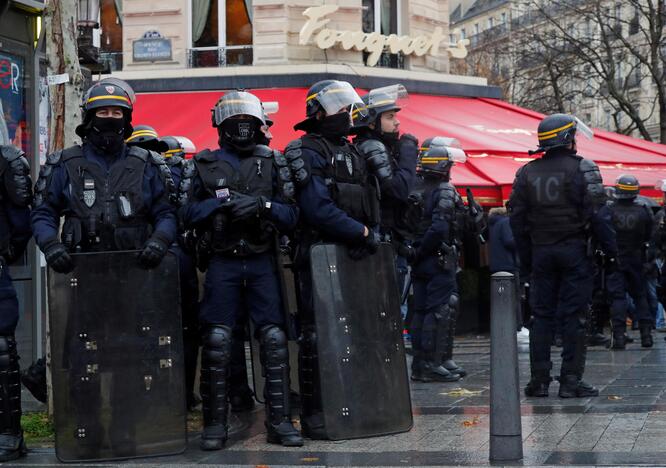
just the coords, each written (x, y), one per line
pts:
(364, 385)
(117, 359)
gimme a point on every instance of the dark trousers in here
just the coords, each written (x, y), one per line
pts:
(629, 279)
(9, 310)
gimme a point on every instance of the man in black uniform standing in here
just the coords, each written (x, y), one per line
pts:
(556, 201)
(15, 199)
(633, 222)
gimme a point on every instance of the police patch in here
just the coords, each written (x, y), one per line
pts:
(110, 89)
(89, 198)
(244, 129)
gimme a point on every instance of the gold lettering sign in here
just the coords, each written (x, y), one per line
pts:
(315, 29)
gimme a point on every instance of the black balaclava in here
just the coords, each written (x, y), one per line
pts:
(336, 126)
(239, 134)
(107, 133)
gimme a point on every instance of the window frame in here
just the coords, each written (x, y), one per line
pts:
(221, 27)
(377, 5)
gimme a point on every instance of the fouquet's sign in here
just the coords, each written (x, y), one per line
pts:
(315, 29)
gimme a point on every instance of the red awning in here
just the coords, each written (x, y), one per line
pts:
(496, 135)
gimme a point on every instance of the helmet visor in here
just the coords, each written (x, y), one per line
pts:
(583, 129)
(235, 104)
(445, 141)
(186, 144)
(661, 185)
(271, 107)
(394, 96)
(338, 96)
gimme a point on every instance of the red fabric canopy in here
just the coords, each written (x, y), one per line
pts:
(496, 135)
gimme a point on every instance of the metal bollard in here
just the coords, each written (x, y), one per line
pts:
(506, 439)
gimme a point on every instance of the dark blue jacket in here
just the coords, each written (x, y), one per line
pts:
(503, 255)
(45, 218)
(319, 211)
(201, 206)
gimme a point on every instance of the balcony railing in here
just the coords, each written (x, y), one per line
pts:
(111, 61)
(202, 57)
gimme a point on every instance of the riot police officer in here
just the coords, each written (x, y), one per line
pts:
(438, 213)
(83, 181)
(633, 222)
(554, 200)
(237, 198)
(145, 136)
(15, 199)
(338, 204)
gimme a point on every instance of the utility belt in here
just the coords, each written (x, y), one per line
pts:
(95, 236)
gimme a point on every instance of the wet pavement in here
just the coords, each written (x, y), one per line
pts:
(625, 425)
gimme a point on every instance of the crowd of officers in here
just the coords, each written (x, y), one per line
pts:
(229, 211)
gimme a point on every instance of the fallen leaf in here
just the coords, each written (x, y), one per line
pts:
(310, 459)
(472, 422)
(459, 392)
(615, 397)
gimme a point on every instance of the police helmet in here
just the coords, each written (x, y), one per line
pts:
(559, 130)
(172, 147)
(378, 101)
(122, 84)
(105, 95)
(236, 103)
(626, 187)
(438, 154)
(145, 136)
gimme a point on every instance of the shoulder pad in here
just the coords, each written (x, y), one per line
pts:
(371, 146)
(140, 153)
(54, 158)
(205, 156)
(294, 144)
(183, 193)
(156, 158)
(72, 152)
(10, 153)
(189, 168)
(174, 161)
(262, 151)
(587, 165)
(300, 172)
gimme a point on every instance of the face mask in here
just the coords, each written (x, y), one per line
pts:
(239, 134)
(107, 134)
(335, 126)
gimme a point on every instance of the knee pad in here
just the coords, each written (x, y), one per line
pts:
(7, 351)
(273, 341)
(216, 346)
(454, 303)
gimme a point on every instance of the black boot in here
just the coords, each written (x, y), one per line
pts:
(619, 340)
(34, 379)
(537, 387)
(312, 416)
(448, 361)
(12, 445)
(571, 386)
(215, 358)
(539, 368)
(275, 362)
(646, 335)
(595, 331)
(431, 370)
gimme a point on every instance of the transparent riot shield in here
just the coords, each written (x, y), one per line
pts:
(117, 359)
(364, 385)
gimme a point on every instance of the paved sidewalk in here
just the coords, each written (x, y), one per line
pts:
(625, 425)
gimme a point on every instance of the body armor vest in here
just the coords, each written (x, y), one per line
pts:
(555, 212)
(446, 204)
(631, 223)
(347, 179)
(107, 210)
(254, 177)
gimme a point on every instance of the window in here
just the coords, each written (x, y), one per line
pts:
(221, 33)
(608, 118)
(383, 16)
(14, 120)
(491, 22)
(503, 16)
(463, 34)
(476, 28)
(111, 38)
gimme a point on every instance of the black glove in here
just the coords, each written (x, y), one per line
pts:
(408, 139)
(153, 252)
(372, 241)
(407, 252)
(57, 257)
(245, 206)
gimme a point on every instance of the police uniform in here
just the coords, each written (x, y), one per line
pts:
(633, 222)
(337, 205)
(554, 201)
(15, 199)
(438, 213)
(237, 198)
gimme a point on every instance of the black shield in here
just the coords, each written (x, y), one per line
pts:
(364, 385)
(117, 359)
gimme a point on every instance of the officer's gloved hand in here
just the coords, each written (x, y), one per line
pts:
(408, 139)
(153, 252)
(246, 206)
(372, 241)
(57, 257)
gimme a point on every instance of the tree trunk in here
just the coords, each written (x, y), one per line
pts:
(60, 25)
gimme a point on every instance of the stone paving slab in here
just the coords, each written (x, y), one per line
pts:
(625, 426)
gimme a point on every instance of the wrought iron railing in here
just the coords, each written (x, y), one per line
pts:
(202, 57)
